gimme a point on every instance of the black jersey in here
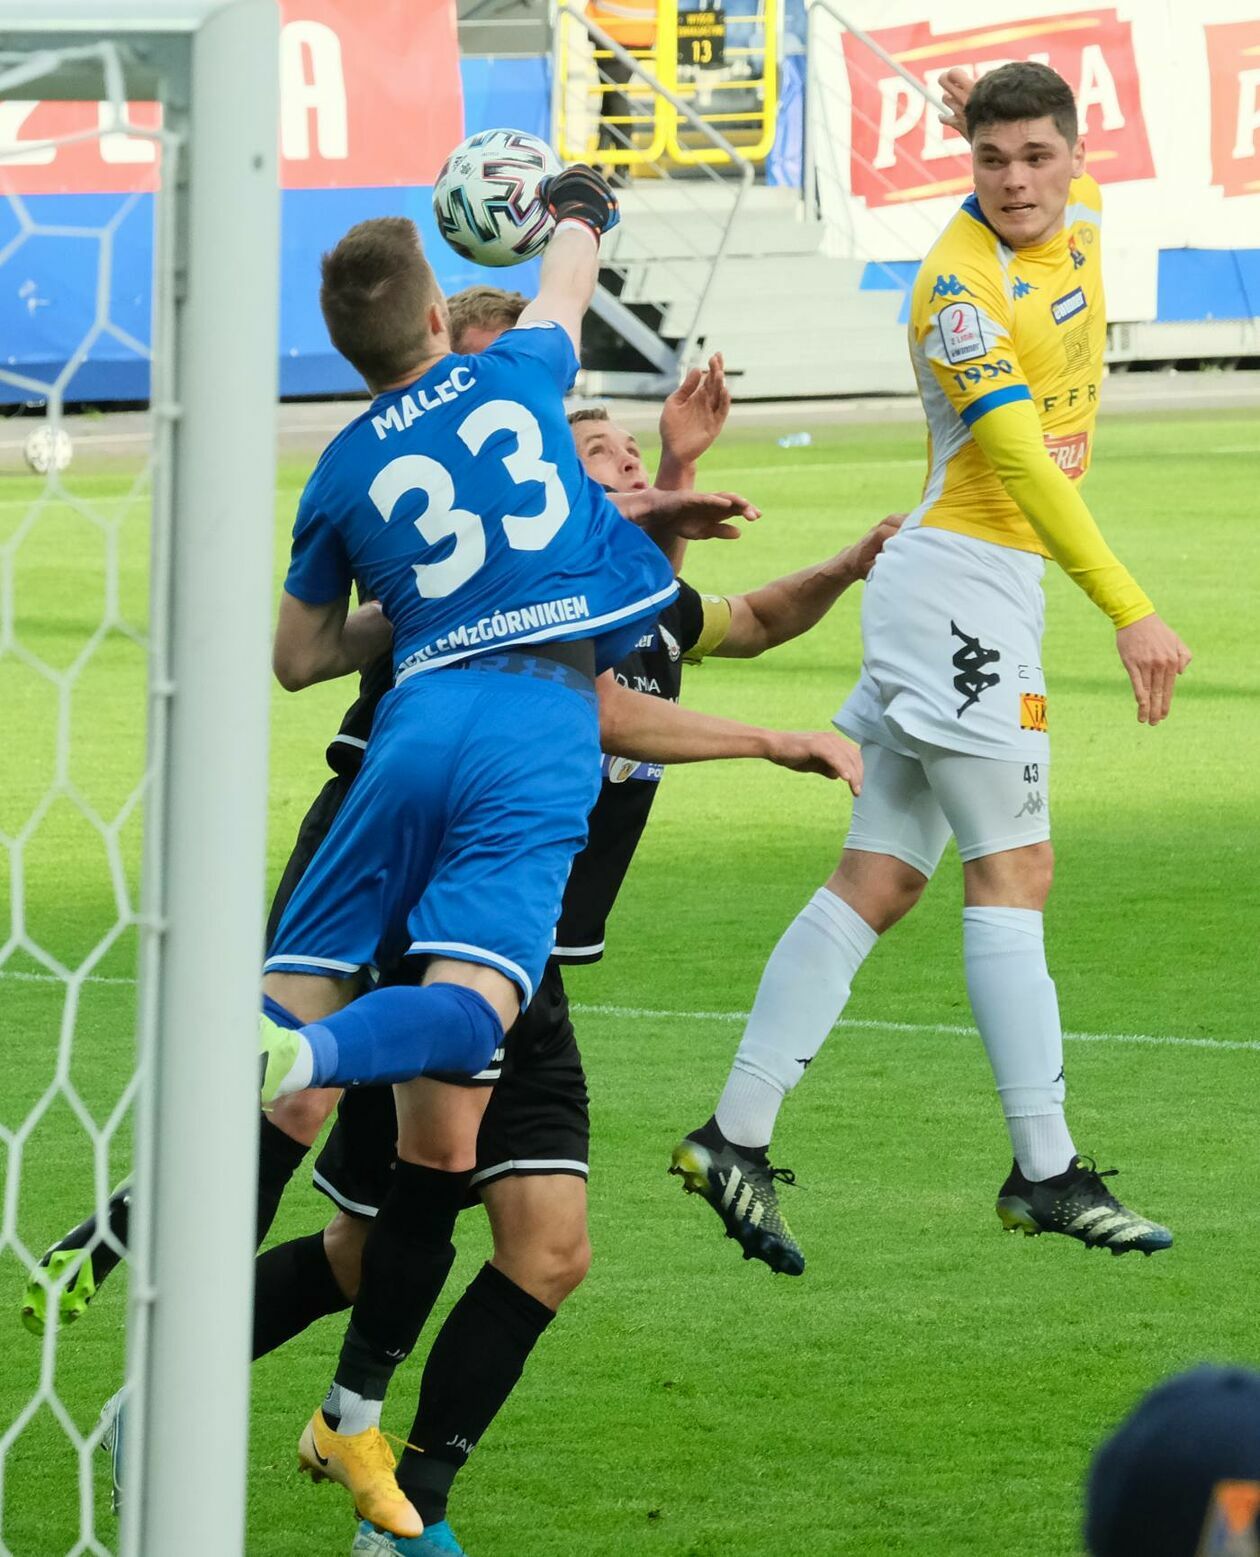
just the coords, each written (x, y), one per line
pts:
(620, 814)
(345, 750)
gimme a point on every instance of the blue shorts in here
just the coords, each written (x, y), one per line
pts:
(457, 835)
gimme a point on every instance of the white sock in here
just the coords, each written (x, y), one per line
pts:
(802, 992)
(301, 1073)
(1016, 1009)
(356, 1412)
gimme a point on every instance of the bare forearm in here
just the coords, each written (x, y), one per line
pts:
(338, 649)
(650, 729)
(675, 475)
(788, 607)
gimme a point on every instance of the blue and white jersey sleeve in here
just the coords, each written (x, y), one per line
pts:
(544, 345)
(319, 568)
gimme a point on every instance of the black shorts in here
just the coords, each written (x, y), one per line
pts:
(537, 1120)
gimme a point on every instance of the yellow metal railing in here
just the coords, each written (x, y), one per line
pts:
(722, 64)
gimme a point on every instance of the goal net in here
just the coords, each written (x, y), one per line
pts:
(135, 577)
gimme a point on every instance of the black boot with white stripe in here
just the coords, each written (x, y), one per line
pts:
(741, 1190)
(1078, 1204)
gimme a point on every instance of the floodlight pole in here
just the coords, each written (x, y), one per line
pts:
(214, 66)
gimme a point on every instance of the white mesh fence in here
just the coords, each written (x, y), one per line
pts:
(75, 647)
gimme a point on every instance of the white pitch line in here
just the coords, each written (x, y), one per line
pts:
(55, 978)
(645, 1014)
(1159, 1040)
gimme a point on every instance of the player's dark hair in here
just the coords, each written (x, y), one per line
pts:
(1022, 90)
(590, 413)
(377, 288)
(483, 308)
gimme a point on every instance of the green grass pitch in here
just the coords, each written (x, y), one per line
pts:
(929, 1387)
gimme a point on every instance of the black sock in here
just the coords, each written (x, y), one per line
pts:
(709, 1135)
(478, 1356)
(279, 1156)
(293, 1287)
(406, 1260)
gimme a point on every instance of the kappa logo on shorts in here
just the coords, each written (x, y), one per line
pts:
(1033, 806)
(969, 661)
(1032, 712)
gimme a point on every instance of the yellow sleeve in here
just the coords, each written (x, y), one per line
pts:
(1009, 436)
(962, 326)
(717, 623)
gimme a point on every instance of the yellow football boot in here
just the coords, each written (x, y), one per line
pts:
(364, 1464)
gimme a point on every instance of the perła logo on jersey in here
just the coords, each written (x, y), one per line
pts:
(1069, 453)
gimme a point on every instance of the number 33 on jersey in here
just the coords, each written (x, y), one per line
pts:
(460, 504)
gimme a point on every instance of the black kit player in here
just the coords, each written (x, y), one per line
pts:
(533, 1145)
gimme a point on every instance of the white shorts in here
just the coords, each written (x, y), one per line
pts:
(951, 649)
(910, 805)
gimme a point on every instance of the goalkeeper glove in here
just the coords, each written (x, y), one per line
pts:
(579, 194)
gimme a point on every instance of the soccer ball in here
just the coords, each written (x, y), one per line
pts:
(46, 450)
(486, 197)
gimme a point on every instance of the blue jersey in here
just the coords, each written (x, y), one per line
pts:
(461, 505)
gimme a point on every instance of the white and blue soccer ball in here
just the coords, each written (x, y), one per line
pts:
(486, 197)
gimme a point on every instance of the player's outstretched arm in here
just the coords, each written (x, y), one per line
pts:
(651, 729)
(319, 642)
(690, 516)
(585, 209)
(1010, 437)
(778, 612)
(692, 418)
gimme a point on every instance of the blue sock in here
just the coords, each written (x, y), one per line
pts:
(397, 1033)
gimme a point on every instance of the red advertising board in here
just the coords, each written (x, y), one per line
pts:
(1234, 65)
(369, 95)
(901, 152)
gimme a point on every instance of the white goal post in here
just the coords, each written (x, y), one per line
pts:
(213, 66)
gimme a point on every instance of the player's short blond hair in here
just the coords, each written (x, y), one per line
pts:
(589, 413)
(483, 308)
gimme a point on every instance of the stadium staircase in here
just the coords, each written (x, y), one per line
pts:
(790, 319)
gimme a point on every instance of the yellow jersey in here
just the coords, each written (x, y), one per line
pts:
(1007, 346)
